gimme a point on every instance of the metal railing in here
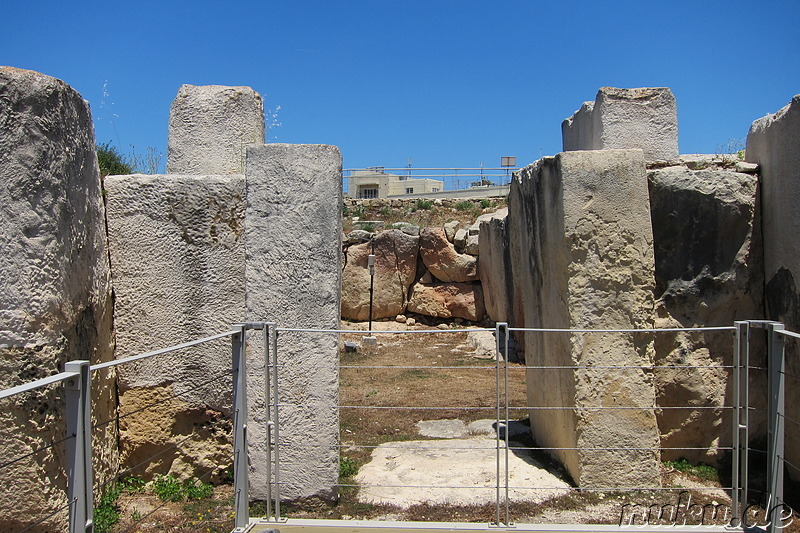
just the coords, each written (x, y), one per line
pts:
(75, 386)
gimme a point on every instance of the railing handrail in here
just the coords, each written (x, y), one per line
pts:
(25, 387)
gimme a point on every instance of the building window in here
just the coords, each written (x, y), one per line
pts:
(409, 190)
(435, 189)
(368, 193)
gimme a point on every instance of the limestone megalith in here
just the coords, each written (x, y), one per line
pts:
(645, 118)
(293, 229)
(210, 128)
(55, 293)
(580, 226)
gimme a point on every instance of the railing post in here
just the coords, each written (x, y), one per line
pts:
(80, 478)
(276, 425)
(740, 421)
(267, 338)
(776, 366)
(240, 466)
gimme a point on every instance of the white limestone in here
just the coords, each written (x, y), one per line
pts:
(211, 126)
(293, 277)
(644, 118)
(55, 287)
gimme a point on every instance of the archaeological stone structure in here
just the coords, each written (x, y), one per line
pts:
(177, 253)
(645, 118)
(580, 225)
(210, 128)
(616, 232)
(55, 295)
(293, 277)
(774, 143)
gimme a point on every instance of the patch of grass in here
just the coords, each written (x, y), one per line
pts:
(167, 488)
(702, 471)
(423, 205)
(465, 205)
(366, 226)
(106, 513)
(485, 203)
(347, 467)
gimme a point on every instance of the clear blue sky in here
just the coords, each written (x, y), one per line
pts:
(445, 83)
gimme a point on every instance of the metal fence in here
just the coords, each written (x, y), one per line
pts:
(82, 488)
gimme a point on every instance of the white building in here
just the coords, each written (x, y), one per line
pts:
(375, 183)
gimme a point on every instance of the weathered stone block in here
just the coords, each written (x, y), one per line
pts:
(709, 272)
(55, 294)
(293, 277)
(211, 126)
(645, 118)
(442, 260)
(395, 270)
(774, 143)
(585, 218)
(177, 253)
(494, 267)
(446, 300)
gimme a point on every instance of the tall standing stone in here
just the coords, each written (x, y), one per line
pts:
(177, 253)
(645, 118)
(293, 277)
(774, 143)
(585, 217)
(210, 128)
(55, 289)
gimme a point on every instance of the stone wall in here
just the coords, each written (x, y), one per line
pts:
(177, 254)
(293, 277)
(582, 224)
(645, 118)
(772, 142)
(55, 297)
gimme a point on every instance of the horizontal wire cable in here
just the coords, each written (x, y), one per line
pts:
(34, 452)
(789, 418)
(493, 448)
(375, 367)
(175, 395)
(786, 461)
(623, 330)
(162, 351)
(388, 331)
(522, 367)
(494, 487)
(29, 526)
(529, 408)
(788, 333)
(789, 374)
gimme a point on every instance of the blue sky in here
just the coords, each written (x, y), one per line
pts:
(443, 83)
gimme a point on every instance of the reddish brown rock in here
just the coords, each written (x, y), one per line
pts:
(446, 300)
(442, 260)
(395, 270)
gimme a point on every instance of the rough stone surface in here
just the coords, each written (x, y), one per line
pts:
(395, 270)
(294, 278)
(446, 300)
(442, 260)
(177, 253)
(709, 272)
(583, 220)
(450, 229)
(494, 268)
(211, 126)
(413, 472)
(55, 293)
(645, 118)
(774, 143)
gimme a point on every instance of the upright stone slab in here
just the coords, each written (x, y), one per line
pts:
(211, 126)
(293, 276)
(709, 272)
(55, 293)
(645, 118)
(177, 253)
(774, 143)
(586, 217)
